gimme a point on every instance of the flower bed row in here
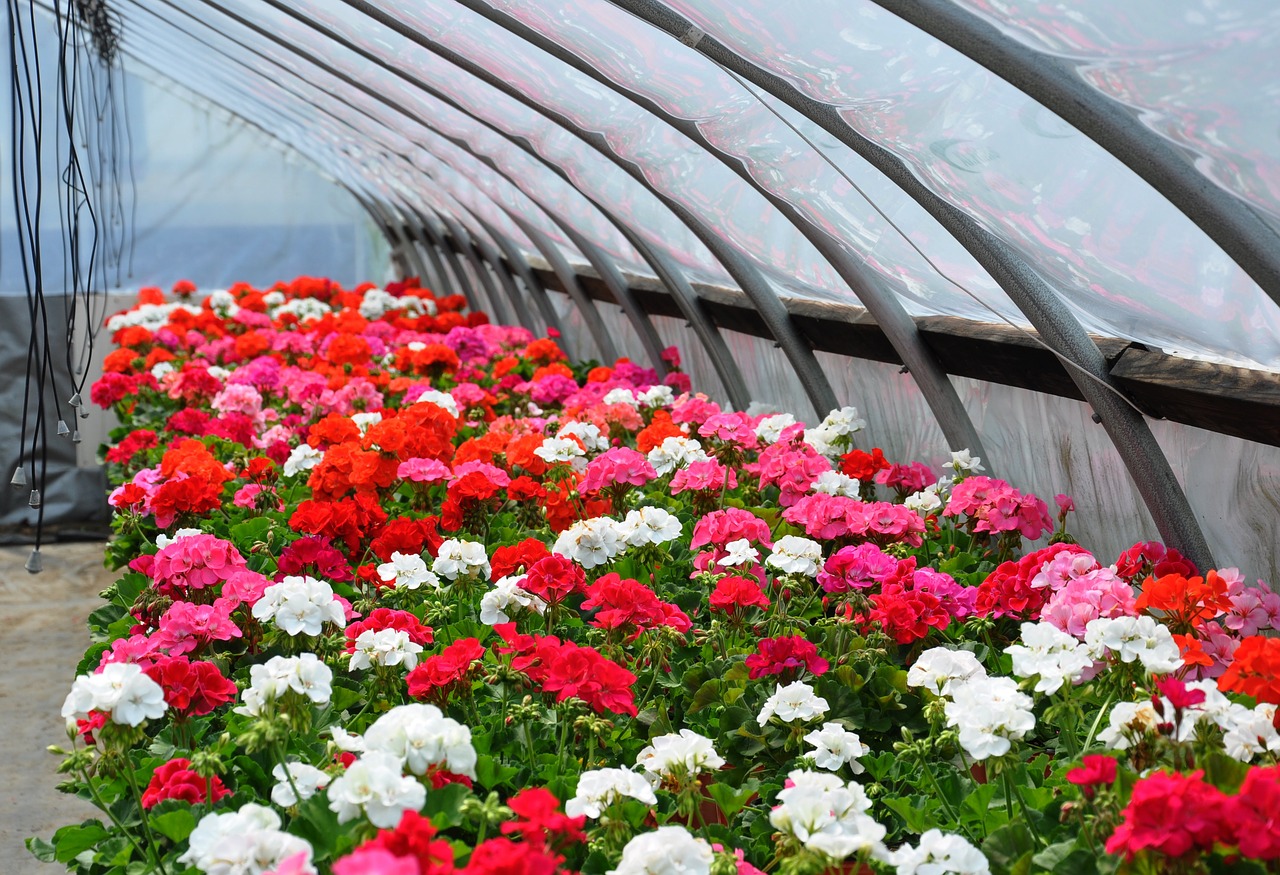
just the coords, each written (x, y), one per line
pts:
(405, 593)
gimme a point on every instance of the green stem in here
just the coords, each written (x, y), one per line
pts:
(284, 764)
(153, 855)
(946, 804)
(101, 803)
(1011, 790)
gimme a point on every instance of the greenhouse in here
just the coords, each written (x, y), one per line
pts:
(644, 436)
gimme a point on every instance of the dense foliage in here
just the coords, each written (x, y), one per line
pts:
(405, 592)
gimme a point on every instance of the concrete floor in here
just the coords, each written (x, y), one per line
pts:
(42, 638)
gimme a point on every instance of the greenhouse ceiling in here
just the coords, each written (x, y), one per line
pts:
(1074, 197)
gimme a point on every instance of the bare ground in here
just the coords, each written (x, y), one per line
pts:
(42, 637)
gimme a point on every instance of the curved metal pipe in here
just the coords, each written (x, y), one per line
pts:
(1226, 219)
(516, 259)
(565, 273)
(493, 262)
(612, 278)
(693, 309)
(899, 328)
(1138, 449)
(690, 305)
(746, 275)
(430, 260)
(497, 307)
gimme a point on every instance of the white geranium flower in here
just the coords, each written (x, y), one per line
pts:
(621, 396)
(1128, 722)
(795, 555)
(668, 850)
(770, 429)
(1055, 656)
(586, 432)
(679, 755)
(843, 422)
(376, 785)
(366, 420)
(657, 396)
(304, 674)
(420, 736)
(408, 571)
(560, 451)
(828, 816)
(739, 552)
(303, 457)
(307, 779)
(1247, 733)
(649, 525)
(590, 542)
(924, 502)
(244, 842)
(940, 853)
(443, 400)
(1128, 638)
(300, 606)
(458, 558)
(834, 746)
(794, 702)
(990, 713)
(940, 669)
(835, 483)
(964, 463)
(675, 453)
(506, 593)
(121, 689)
(385, 647)
(600, 788)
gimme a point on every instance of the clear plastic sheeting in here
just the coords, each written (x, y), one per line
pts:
(785, 153)
(669, 161)
(1204, 75)
(489, 106)
(1127, 262)
(215, 205)
(357, 154)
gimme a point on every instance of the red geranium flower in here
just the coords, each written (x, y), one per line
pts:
(175, 780)
(787, 653)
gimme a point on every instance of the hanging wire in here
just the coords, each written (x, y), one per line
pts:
(89, 160)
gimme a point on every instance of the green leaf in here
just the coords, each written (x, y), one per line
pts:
(708, 694)
(72, 841)
(914, 813)
(174, 825)
(1065, 858)
(1010, 848)
(249, 532)
(732, 799)
(41, 850)
(490, 773)
(444, 806)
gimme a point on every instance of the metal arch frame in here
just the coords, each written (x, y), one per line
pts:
(604, 342)
(745, 274)
(519, 267)
(678, 287)
(493, 261)
(690, 305)
(483, 283)
(466, 246)
(1226, 219)
(1129, 432)
(401, 247)
(569, 279)
(431, 259)
(934, 384)
(612, 278)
